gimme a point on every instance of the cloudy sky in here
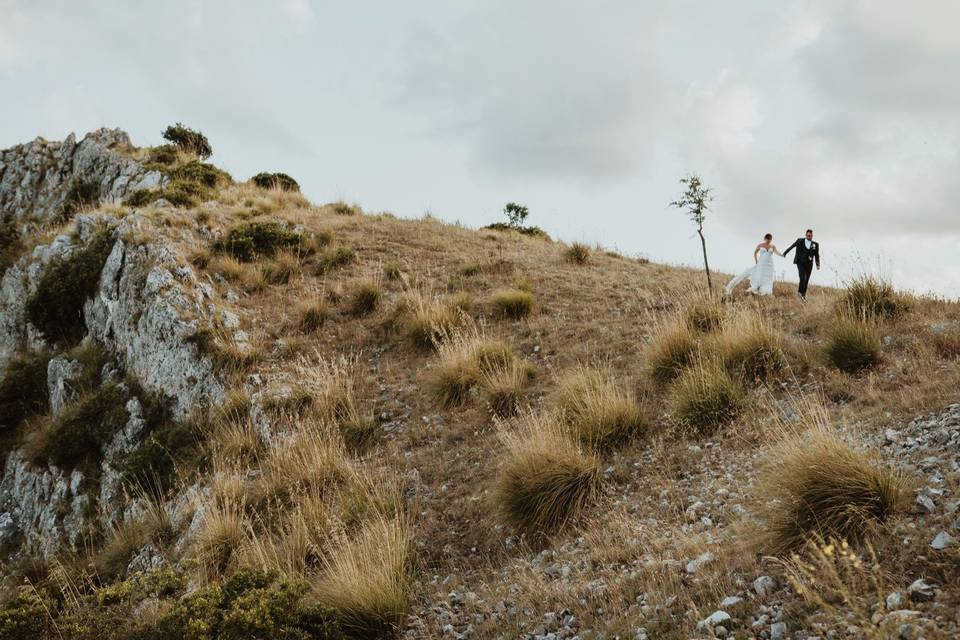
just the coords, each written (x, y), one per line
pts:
(839, 115)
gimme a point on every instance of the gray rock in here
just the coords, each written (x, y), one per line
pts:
(941, 541)
(730, 601)
(778, 630)
(920, 590)
(703, 559)
(764, 586)
(895, 601)
(925, 503)
(716, 618)
(62, 377)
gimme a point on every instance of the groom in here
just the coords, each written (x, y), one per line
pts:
(808, 251)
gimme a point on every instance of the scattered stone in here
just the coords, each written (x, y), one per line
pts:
(730, 601)
(778, 630)
(764, 586)
(716, 618)
(919, 591)
(925, 503)
(895, 601)
(694, 565)
(942, 541)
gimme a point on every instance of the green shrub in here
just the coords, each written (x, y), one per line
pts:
(56, 307)
(11, 246)
(188, 140)
(706, 398)
(23, 389)
(164, 155)
(80, 194)
(26, 616)
(77, 436)
(200, 173)
(872, 295)
(154, 462)
(513, 303)
(535, 232)
(280, 181)
(577, 253)
(255, 239)
(141, 197)
(853, 344)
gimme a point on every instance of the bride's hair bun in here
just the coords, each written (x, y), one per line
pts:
(768, 236)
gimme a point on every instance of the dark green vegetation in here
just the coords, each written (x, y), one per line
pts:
(253, 240)
(23, 393)
(167, 443)
(11, 246)
(250, 605)
(56, 307)
(334, 258)
(187, 184)
(188, 140)
(81, 194)
(706, 398)
(853, 344)
(280, 181)
(535, 232)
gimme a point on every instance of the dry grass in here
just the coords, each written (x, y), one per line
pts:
(596, 408)
(334, 387)
(515, 304)
(705, 315)
(751, 349)
(873, 295)
(312, 314)
(364, 298)
(424, 319)
(577, 253)
(706, 398)
(816, 487)
(312, 460)
(545, 479)
(463, 359)
(671, 352)
(366, 579)
(853, 344)
(503, 386)
(223, 531)
(282, 268)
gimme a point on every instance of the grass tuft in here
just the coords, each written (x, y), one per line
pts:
(706, 398)
(873, 295)
(577, 253)
(853, 344)
(752, 350)
(364, 298)
(705, 315)
(513, 303)
(671, 352)
(504, 384)
(818, 487)
(312, 314)
(464, 358)
(545, 479)
(596, 408)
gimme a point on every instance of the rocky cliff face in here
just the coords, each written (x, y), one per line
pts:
(36, 178)
(143, 313)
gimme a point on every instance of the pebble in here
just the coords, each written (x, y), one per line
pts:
(730, 601)
(942, 541)
(778, 630)
(895, 601)
(925, 503)
(694, 565)
(920, 590)
(764, 586)
(716, 618)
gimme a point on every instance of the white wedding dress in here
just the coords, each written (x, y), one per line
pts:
(760, 275)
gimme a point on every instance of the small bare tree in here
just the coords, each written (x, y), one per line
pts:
(694, 202)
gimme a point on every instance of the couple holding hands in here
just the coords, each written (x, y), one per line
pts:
(761, 274)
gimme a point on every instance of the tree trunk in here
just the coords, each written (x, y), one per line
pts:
(706, 265)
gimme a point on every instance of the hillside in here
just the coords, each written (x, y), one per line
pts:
(229, 412)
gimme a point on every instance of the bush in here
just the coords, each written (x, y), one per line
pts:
(753, 351)
(820, 488)
(275, 181)
(535, 232)
(23, 390)
(256, 239)
(76, 437)
(465, 357)
(188, 140)
(154, 463)
(141, 197)
(425, 320)
(545, 479)
(513, 303)
(596, 409)
(852, 344)
(80, 194)
(671, 351)
(164, 155)
(577, 253)
(706, 398)
(871, 295)
(344, 209)
(56, 307)
(393, 270)
(200, 173)
(11, 246)
(705, 316)
(364, 298)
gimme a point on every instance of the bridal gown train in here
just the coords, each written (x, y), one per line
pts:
(760, 275)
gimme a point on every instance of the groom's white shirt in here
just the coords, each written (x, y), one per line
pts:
(807, 243)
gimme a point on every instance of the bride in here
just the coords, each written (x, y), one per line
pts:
(761, 273)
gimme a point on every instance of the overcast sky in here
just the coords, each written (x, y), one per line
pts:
(841, 116)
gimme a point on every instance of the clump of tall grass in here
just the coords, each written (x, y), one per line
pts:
(503, 386)
(366, 579)
(222, 532)
(596, 408)
(873, 295)
(312, 459)
(364, 298)
(464, 357)
(546, 477)
(334, 387)
(704, 315)
(818, 487)
(577, 253)
(425, 320)
(753, 350)
(515, 304)
(672, 350)
(706, 398)
(853, 343)
(312, 314)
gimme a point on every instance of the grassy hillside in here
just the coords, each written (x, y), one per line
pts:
(445, 431)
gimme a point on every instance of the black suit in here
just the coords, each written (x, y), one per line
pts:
(804, 259)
